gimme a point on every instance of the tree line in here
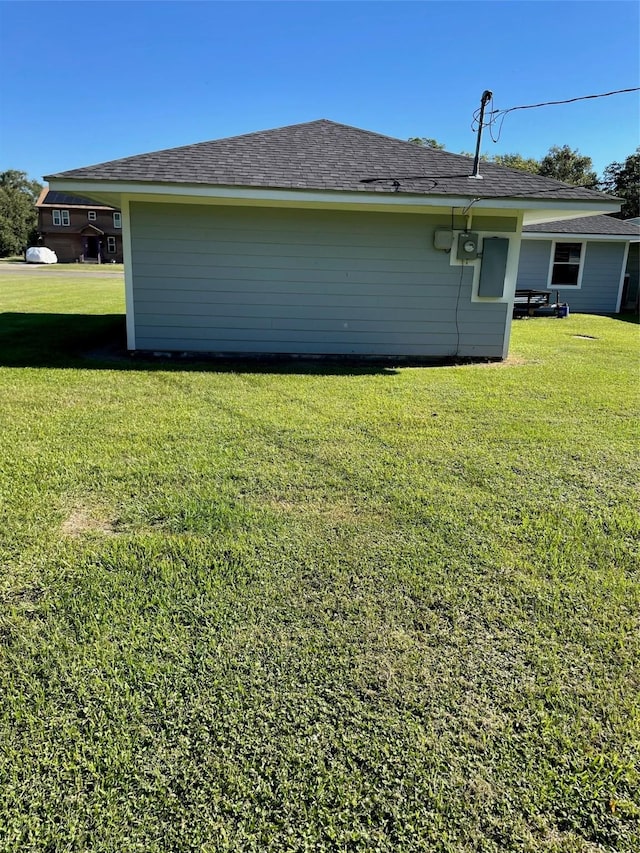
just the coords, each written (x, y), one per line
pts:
(570, 166)
(18, 214)
(18, 194)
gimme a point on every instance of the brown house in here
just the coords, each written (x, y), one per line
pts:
(79, 229)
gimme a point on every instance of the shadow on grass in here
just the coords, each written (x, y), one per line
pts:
(59, 340)
(628, 317)
(98, 342)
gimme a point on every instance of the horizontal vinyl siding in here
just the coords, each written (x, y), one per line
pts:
(633, 268)
(600, 277)
(256, 280)
(533, 268)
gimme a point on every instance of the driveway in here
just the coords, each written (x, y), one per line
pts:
(67, 270)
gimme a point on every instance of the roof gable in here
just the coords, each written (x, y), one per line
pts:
(325, 155)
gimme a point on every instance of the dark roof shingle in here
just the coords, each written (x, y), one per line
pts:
(600, 225)
(324, 155)
(55, 197)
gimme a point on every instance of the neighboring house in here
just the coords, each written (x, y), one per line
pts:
(584, 260)
(631, 298)
(322, 239)
(78, 228)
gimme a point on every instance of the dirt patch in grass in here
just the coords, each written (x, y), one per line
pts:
(83, 520)
(510, 361)
(344, 512)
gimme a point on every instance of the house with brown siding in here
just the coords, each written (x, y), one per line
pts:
(79, 229)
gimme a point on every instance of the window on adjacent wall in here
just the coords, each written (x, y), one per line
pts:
(92, 215)
(111, 245)
(566, 265)
(117, 220)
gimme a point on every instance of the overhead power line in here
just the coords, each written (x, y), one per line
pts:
(496, 116)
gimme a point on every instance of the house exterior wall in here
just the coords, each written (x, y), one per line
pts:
(598, 293)
(633, 269)
(533, 269)
(68, 242)
(265, 280)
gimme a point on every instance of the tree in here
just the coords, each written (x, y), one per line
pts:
(510, 161)
(427, 142)
(517, 161)
(623, 180)
(18, 215)
(568, 165)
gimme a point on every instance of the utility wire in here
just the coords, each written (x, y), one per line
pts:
(500, 115)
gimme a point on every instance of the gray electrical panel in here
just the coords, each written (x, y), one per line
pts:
(493, 268)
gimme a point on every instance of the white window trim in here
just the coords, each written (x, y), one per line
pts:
(91, 215)
(66, 218)
(583, 253)
(117, 220)
(56, 217)
(111, 245)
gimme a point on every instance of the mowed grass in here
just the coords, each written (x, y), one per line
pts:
(315, 607)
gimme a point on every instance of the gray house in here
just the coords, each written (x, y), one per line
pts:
(631, 292)
(323, 239)
(584, 260)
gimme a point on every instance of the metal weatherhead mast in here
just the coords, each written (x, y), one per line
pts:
(484, 100)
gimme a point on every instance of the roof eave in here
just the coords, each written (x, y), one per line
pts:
(537, 210)
(567, 236)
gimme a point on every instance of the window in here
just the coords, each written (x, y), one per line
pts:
(92, 215)
(60, 217)
(111, 245)
(566, 265)
(117, 220)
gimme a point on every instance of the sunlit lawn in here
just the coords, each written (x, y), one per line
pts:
(310, 607)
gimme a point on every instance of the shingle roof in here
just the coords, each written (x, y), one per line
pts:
(587, 225)
(55, 197)
(324, 155)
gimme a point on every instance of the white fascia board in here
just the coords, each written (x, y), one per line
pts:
(128, 275)
(562, 237)
(202, 194)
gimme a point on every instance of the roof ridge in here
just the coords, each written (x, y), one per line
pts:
(271, 130)
(323, 154)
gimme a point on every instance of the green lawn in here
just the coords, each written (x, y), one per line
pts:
(312, 607)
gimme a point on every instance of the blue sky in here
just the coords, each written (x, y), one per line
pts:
(85, 82)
